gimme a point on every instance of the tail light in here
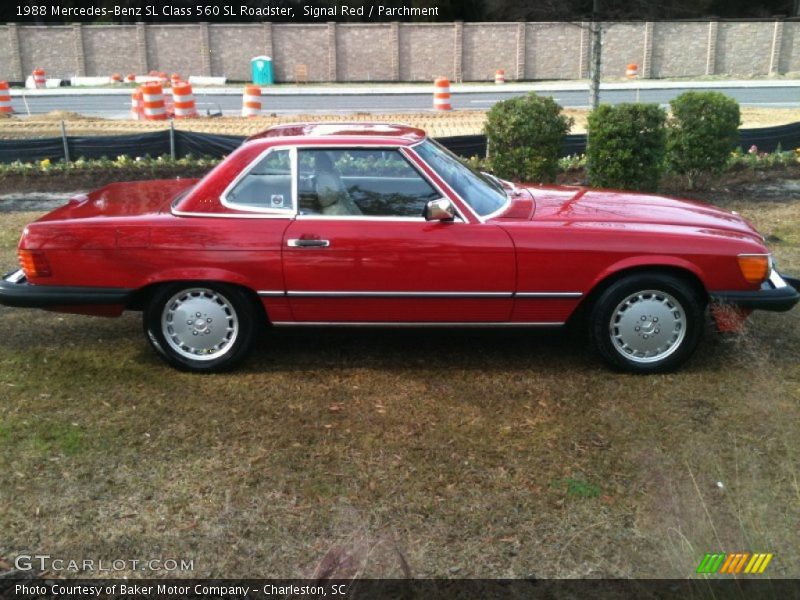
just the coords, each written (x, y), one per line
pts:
(34, 263)
(754, 267)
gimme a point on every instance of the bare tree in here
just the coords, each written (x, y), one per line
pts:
(597, 56)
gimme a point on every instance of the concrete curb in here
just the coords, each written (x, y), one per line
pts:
(567, 86)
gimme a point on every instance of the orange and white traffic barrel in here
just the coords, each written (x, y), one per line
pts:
(441, 94)
(251, 101)
(116, 78)
(39, 78)
(163, 78)
(500, 76)
(183, 100)
(175, 78)
(130, 78)
(5, 99)
(153, 102)
(632, 71)
(137, 105)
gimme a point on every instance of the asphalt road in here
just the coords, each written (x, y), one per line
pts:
(117, 106)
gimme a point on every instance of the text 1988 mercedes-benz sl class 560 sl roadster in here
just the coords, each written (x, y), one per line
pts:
(374, 224)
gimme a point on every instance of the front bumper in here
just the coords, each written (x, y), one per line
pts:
(16, 291)
(779, 293)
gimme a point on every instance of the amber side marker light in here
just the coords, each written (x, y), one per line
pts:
(34, 263)
(754, 267)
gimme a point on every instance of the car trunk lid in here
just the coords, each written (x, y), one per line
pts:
(127, 199)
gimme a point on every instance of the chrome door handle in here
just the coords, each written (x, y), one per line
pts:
(307, 243)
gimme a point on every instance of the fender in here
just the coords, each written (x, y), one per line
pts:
(650, 260)
(199, 274)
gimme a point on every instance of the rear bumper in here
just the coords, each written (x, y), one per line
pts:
(778, 293)
(16, 291)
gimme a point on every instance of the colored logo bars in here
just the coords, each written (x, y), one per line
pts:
(734, 563)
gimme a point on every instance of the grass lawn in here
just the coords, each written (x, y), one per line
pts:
(456, 453)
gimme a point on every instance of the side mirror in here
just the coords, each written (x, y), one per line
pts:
(440, 210)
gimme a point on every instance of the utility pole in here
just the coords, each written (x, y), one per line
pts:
(597, 56)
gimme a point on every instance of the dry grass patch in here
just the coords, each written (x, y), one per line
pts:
(437, 124)
(450, 453)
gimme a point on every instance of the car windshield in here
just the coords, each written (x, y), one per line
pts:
(480, 192)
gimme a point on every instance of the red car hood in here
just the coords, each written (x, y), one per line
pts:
(129, 199)
(573, 204)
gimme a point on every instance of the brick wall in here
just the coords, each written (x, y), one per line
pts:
(300, 45)
(744, 48)
(427, 51)
(51, 48)
(405, 51)
(552, 51)
(679, 49)
(486, 49)
(790, 48)
(96, 44)
(228, 56)
(174, 48)
(623, 44)
(364, 52)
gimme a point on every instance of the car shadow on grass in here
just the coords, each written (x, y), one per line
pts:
(420, 348)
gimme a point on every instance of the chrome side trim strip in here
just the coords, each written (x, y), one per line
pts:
(184, 213)
(297, 294)
(412, 324)
(457, 295)
(548, 294)
(359, 218)
(271, 293)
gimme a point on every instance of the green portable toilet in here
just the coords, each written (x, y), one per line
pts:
(262, 70)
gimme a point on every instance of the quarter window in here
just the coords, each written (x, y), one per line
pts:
(268, 185)
(360, 182)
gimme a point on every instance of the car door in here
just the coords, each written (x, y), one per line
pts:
(360, 250)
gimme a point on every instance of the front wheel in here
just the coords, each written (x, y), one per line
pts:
(200, 327)
(647, 323)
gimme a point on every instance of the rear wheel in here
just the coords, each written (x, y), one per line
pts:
(201, 327)
(647, 323)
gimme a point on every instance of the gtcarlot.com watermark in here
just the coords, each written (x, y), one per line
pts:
(45, 562)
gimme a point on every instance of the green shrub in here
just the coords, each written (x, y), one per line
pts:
(626, 146)
(525, 136)
(703, 130)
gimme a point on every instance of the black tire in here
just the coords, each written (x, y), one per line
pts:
(229, 315)
(635, 341)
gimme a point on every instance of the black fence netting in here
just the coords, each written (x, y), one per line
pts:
(140, 144)
(767, 139)
(205, 144)
(31, 150)
(183, 143)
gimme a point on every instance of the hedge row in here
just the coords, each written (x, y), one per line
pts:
(630, 146)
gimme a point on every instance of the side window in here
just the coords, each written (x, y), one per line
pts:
(268, 185)
(361, 182)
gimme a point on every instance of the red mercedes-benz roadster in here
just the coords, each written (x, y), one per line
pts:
(372, 224)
